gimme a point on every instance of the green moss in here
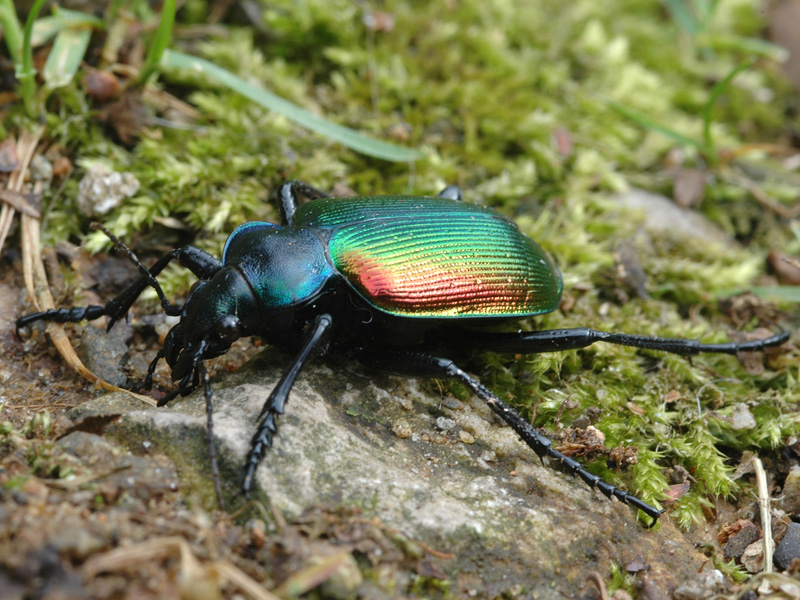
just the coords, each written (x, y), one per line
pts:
(486, 88)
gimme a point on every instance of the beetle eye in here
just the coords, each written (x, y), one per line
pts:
(228, 329)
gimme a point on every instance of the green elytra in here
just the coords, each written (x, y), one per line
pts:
(410, 256)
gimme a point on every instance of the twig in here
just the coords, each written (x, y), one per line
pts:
(193, 572)
(766, 513)
(33, 270)
(595, 578)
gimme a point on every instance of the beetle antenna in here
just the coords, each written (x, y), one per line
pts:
(172, 310)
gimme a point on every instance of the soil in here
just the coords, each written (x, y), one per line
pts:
(68, 497)
(83, 516)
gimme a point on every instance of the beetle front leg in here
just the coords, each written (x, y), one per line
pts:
(275, 404)
(212, 446)
(426, 365)
(199, 262)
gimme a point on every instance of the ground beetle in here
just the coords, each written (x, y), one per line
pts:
(384, 280)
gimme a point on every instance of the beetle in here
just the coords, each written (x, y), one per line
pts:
(385, 280)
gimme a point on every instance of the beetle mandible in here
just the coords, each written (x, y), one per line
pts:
(380, 279)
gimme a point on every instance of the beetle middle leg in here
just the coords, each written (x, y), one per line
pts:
(274, 406)
(425, 365)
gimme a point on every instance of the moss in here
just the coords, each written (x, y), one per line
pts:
(486, 87)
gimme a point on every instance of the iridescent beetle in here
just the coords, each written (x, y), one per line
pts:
(384, 280)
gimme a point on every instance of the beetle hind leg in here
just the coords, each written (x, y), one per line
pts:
(425, 365)
(556, 340)
(287, 195)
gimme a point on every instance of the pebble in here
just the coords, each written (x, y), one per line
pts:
(791, 492)
(102, 189)
(752, 558)
(445, 424)
(452, 403)
(742, 418)
(76, 542)
(402, 429)
(466, 437)
(702, 587)
(789, 547)
(739, 541)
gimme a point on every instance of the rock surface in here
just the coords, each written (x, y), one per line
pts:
(507, 520)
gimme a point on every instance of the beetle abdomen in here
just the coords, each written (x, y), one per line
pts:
(438, 258)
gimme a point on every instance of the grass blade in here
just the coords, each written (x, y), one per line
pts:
(683, 16)
(344, 135)
(716, 92)
(745, 45)
(160, 41)
(12, 30)
(652, 125)
(26, 73)
(65, 57)
(46, 28)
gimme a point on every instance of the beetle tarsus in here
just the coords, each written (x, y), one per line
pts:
(63, 315)
(212, 446)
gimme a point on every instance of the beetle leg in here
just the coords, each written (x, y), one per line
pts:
(199, 262)
(425, 365)
(556, 340)
(288, 197)
(212, 446)
(452, 192)
(151, 369)
(276, 402)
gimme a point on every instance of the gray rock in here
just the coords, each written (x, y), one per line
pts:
(106, 354)
(739, 541)
(537, 528)
(789, 548)
(662, 214)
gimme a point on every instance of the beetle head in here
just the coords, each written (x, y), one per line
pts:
(215, 315)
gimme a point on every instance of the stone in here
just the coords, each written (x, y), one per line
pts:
(539, 529)
(739, 541)
(790, 499)
(789, 547)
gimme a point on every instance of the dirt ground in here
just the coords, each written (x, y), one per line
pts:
(84, 517)
(69, 498)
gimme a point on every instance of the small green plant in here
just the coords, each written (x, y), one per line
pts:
(706, 145)
(72, 31)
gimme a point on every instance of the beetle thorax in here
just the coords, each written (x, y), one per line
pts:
(285, 267)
